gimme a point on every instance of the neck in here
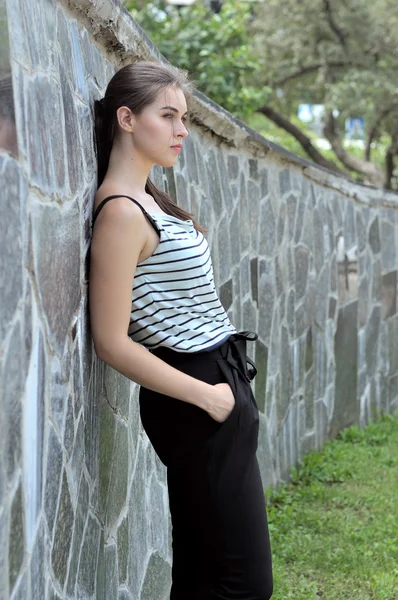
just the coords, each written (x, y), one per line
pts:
(128, 169)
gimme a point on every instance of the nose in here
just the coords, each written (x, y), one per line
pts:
(182, 131)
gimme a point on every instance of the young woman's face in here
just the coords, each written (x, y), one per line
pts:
(159, 130)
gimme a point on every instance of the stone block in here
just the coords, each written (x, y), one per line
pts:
(333, 273)
(374, 236)
(350, 236)
(190, 157)
(249, 315)
(139, 533)
(253, 199)
(274, 357)
(157, 578)
(346, 409)
(301, 320)
(301, 270)
(282, 450)
(157, 515)
(69, 435)
(124, 595)
(361, 231)
(286, 375)
(13, 197)
(260, 381)
(318, 247)
(253, 169)
(118, 480)
(264, 453)
(371, 339)
(77, 459)
(111, 574)
(11, 392)
(88, 559)
(117, 390)
(182, 191)
(389, 238)
(216, 194)
(244, 223)
(72, 133)
(225, 294)
(284, 181)
(393, 393)
(301, 208)
(53, 475)
(78, 529)
(263, 182)
(309, 399)
(37, 561)
(224, 180)
(267, 229)
(321, 423)
(245, 281)
(307, 443)
(254, 278)
(224, 249)
(234, 232)
(377, 282)
(55, 235)
(33, 431)
(123, 549)
(320, 362)
(332, 307)
(51, 593)
(21, 589)
(363, 301)
(321, 297)
(291, 204)
(280, 226)
(389, 288)
(233, 166)
(392, 335)
(106, 442)
(63, 533)
(16, 546)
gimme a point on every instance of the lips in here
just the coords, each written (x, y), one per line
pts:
(179, 146)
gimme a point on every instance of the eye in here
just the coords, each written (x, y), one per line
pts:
(183, 119)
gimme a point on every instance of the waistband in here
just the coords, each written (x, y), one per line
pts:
(233, 350)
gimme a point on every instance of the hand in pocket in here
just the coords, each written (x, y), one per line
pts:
(223, 403)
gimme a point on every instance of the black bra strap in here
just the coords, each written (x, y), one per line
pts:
(105, 200)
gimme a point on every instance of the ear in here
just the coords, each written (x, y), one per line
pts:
(126, 119)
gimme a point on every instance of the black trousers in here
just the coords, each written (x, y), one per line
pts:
(220, 540)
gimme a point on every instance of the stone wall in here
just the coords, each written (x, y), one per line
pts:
(307, 259)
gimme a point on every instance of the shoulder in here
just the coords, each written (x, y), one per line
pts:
(117, 210)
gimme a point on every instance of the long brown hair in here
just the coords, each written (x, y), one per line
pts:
(136, 85)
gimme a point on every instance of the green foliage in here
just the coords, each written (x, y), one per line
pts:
(343, 54)
(333, 528)
(214, 48)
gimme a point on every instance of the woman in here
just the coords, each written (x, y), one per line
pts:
(156, 318)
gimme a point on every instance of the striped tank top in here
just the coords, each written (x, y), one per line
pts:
(174, 300)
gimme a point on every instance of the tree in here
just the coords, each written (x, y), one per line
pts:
(213, 47)
(343, 55)
(269, 56)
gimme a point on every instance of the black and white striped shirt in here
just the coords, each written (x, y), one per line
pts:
(174, 300)
(175, 303)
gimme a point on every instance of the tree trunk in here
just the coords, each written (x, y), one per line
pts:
(371, 172)
(305, 142)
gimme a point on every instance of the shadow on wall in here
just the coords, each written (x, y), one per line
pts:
(8, 132)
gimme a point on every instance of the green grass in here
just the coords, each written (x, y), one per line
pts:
(334, 527)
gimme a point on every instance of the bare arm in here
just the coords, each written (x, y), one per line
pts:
(118, 239)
